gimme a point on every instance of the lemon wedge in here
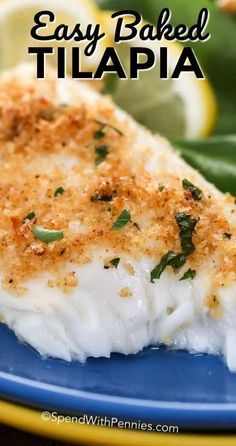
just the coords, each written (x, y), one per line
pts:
(17, 20)
(183, 107)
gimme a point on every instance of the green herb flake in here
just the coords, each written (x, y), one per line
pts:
(227, 235)
(169, 259)
(161, 187)
(99, 134)
(112, 263)
(115, 262)
(189, 274)
(47, 235)
(122, 220)
(187, 225)
(101, 197)
(197, 193)
(103, 125)
(101, 153)
(59, 191)
(30, 216)
(136, 225)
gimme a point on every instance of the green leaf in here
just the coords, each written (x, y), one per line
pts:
(122, 220)
(189, 274)
(47, 235)
(169, 259)
(215, 158)
(186, 224)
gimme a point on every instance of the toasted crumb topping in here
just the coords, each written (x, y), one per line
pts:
(129, 268)
(213, 304)
(47, 147)
(66, 283)
(125, 292)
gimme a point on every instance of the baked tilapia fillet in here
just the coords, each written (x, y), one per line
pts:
(109, 241)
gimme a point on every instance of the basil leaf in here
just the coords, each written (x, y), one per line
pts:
(197, 193)
(189, 274)
(169, 259)
(47, 235)
(122, 220)
(186, 224)
(59, 191)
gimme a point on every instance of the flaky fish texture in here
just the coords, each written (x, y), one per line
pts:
(109, 241)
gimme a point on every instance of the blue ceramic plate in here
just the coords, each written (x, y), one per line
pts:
(156, 385)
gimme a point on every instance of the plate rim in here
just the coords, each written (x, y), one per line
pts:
(49, 396)
(28, 419)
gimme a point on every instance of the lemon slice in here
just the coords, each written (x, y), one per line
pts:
(17, 20)
(184, 107)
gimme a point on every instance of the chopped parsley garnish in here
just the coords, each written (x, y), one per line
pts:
(100, 133)
(102, 197)
(197, 193)
(112, 263)
(59, 191)
(187, 225)
(189, 274)
(115, 262)
(30, 216)
(136, 225)
(47, 235)
(101, 153)
(169, 259)
(227, 235)
(122, 220)
(161, 187)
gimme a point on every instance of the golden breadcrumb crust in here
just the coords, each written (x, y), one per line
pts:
(35, 132)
